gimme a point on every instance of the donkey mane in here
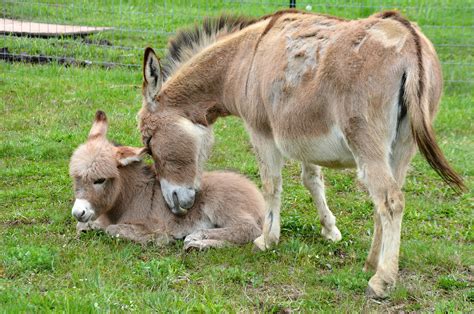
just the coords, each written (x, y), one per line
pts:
(190, 41)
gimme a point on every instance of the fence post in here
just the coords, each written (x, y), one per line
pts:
(292, 3)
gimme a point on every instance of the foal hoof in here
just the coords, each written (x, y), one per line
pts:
(193, 246)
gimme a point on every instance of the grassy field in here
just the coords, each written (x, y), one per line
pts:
(47, 111)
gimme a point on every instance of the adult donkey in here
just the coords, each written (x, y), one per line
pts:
(319, 89)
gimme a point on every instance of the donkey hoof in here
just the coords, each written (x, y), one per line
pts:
(260, 243)
(371, 294)
(377, 288)
(333, 234)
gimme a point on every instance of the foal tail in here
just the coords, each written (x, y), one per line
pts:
(416, 81)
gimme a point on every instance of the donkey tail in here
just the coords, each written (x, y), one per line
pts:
(421, 120)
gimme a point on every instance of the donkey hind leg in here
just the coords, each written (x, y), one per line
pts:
(270, 164)
(313, 180)
(403, 150)
(220, 237)
(374, 253)
(389, 203)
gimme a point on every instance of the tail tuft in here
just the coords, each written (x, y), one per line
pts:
(426, 141)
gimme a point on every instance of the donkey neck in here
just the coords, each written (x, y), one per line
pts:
(198, 86)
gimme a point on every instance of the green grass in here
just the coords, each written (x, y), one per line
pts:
(47, 111)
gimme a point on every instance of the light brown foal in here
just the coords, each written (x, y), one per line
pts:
(116, 192)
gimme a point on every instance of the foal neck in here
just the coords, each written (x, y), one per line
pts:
(138, 187)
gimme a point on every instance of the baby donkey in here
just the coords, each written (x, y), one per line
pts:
(116, 192)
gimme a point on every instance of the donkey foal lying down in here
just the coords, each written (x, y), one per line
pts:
(116, 192)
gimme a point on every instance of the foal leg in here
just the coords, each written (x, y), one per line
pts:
(204, 244)
(99, 224)
(239, 234)
(138, 233)
(313, 180)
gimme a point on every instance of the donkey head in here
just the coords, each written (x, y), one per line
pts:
(179, 147)
(94, 167)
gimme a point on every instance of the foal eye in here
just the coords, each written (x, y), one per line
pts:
(99, 181)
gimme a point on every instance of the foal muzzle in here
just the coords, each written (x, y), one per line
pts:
(82, 210)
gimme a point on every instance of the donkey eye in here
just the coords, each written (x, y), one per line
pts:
(99, 181)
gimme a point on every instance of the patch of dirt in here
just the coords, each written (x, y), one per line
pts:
(268, 296)
(26, 221)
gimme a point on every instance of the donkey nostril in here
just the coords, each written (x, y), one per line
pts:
(175, 201)
(82, 214)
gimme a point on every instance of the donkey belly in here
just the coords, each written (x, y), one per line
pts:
(328, 150)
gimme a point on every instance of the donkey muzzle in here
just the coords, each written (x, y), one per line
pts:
(176, 208)
(179, 199)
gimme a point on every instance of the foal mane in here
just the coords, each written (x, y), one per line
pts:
(190, 41)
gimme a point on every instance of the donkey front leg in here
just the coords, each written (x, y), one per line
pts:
(270, 164)
(313, 180)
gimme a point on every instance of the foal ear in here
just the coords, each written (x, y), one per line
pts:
(152, 78)
(99, 127)
(127, 155)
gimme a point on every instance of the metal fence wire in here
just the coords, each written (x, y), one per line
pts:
(114, 32)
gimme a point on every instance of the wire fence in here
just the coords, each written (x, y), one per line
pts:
(113, 33)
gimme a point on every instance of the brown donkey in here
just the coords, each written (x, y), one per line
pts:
(116, 192)
(315, 88)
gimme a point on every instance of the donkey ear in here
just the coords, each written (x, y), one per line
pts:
(127, 155)
(99, 127)
(152, 78)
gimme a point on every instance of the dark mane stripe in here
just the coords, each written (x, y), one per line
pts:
(192, 36)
